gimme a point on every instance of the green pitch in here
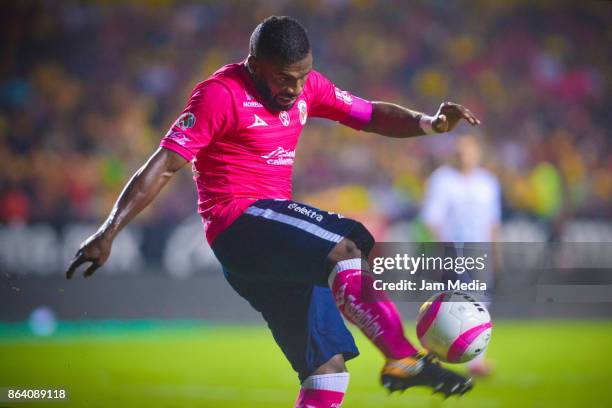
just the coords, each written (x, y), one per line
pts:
(537, 364)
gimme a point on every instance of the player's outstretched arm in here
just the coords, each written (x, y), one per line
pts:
(393, 120)
(142, 188)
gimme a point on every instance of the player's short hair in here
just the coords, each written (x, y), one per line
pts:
(280, 38)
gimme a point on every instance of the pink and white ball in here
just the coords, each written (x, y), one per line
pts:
(454, 327)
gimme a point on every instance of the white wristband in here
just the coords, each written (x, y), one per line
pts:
(425, 123)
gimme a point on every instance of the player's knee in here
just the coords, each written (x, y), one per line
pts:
(332, 366)
(345, 249)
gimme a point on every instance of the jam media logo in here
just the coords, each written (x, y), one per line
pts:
(344, 96)
(284, 118)
(303, 111)
(186, 121)
(280, 157)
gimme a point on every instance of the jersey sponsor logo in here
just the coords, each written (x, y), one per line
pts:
(284, 118)
(258, 122)
(280, 157)
(186, 121)
(303, 111)
(250, 103)
(310, 213)
(179, 138)
(344, 96)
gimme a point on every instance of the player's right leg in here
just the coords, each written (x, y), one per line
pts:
(376, 316)
(326, 386)
(309, 330)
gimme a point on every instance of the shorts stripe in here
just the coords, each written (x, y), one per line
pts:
(295, 222)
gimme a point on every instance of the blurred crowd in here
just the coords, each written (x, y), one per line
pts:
(87, 89)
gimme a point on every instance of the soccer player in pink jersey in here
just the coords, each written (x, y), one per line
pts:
(301, 267)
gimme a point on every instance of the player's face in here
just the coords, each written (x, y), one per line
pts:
(280, 84)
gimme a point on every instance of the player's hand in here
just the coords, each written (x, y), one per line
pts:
(449, 115)
(95, 249)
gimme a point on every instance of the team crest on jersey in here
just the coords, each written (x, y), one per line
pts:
(303, 111)
(284, 118)
(186, 121)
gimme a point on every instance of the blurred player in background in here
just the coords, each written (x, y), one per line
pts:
(463, 204)
(298, 265)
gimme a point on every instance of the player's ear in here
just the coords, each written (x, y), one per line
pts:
(252, 64)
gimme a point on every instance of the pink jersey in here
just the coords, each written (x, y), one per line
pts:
(241, 151)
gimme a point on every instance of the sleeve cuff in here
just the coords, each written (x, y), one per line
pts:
(360, 114)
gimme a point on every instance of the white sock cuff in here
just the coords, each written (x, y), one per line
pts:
(337, 382)
(355, 263)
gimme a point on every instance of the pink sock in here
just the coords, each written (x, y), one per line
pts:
(379, 320)
(319, 399)
(322, 391)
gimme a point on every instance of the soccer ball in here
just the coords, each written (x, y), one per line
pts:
(454, 327)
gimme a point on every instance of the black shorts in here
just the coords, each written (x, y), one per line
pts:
(274, 256)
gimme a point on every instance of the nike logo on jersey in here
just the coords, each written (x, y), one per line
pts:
(258, 122)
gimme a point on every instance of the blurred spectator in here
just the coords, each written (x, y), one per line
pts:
(462, 202)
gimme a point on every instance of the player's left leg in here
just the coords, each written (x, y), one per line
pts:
(376, 316)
